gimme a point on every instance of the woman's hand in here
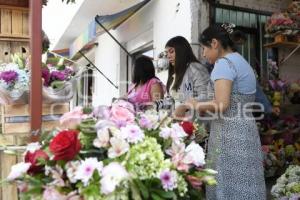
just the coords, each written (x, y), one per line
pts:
(179, 112)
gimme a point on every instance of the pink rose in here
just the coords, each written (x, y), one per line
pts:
(73, 118)
(121, 115)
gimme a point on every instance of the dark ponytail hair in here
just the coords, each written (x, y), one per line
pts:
(183, 57)
(224, 33)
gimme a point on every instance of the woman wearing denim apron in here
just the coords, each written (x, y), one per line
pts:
(234, 147)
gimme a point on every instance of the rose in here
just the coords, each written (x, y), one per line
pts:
(73, 118)
(121, 116)
(188, 127)
(65, 145)
(34, 158)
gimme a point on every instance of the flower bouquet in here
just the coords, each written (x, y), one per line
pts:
(14, 82)
(288, 185)
(281, 23)
(114, 153)
(57, 83)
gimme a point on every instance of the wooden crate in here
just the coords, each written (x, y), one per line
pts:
(14, 29)
(14, 22)
(16, 121)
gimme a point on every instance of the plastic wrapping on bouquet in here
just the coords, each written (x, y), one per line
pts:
(60, 95)
(13, 97)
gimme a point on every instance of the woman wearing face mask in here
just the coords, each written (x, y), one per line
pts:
(234, 147)
(187, 78)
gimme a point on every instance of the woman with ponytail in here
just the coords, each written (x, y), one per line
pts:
(234, 147)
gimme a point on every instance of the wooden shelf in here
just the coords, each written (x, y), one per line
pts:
(281, 44)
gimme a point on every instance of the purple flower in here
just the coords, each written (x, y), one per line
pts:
(168, 179)
(57, 75)
(145, 123)
(46, 76)
(132, 133)
(9, 76)
(68, 71)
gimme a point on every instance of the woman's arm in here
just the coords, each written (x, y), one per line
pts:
(219, 104)
(201, 80)
(222, 98)
(156, 92)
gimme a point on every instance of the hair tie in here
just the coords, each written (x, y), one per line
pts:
(228, 27)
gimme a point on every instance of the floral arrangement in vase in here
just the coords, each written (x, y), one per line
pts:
(114, 153)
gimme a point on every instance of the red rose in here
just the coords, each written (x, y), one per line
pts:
(65, 145)
(188, 127)
(34, 158)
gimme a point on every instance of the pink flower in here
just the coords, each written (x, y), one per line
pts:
(73, 118)
(121, 116)
(50, 193)
(144, 122)
(87, 168)
(102, 112)
(124, 104)
(177, 152)
(132, 133)
(118, 147)
(168, 180)
(18, 170)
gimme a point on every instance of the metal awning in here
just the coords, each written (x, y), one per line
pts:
(107, 21)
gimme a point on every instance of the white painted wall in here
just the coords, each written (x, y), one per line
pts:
(107, 59)
(157, 22)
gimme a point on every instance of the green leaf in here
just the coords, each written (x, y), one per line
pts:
(165, 194)
(142, 188)
(156, 197)
(57, 84)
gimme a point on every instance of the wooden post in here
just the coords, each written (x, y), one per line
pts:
(36, 62)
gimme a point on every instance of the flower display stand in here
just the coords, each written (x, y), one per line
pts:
(15, 123)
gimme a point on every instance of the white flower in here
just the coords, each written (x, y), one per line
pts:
(102, 139)
(117, 133)
(165, 132)
(178, 132)
(132, 133)
(194, 155)
(18, 170)
(112, 175)
(86, 169)
(118, 147)
(32, 147)
(71, 168)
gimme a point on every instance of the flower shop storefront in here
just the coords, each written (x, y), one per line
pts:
(116, 152)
